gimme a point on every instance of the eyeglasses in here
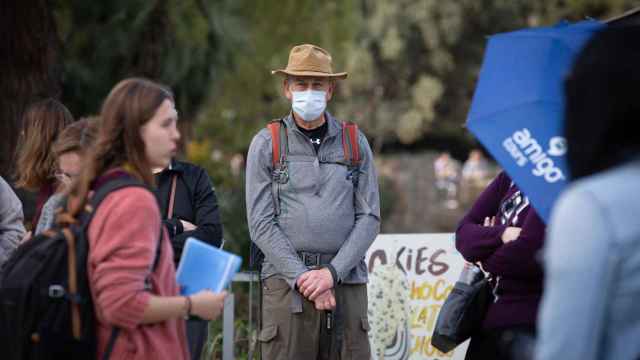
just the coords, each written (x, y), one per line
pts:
(64, 177)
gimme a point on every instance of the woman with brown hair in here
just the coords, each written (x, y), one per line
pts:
(69, 149)
(137, 133)
(41, 124)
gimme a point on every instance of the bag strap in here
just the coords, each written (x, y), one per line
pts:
(279, 152)
(112, 342)
(78, 250)
(350, 144)
(85, 219)
(104, 190)
(172, 196)
(279, 142)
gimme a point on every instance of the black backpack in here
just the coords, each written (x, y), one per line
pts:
(280, 175)
(46, 309)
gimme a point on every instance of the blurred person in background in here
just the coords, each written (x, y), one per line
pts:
(42, 122)
(193, 213)
(69, 149)
(475, 177)
(503, 233)
(447, 172)
(475, 169)
(11, 218)
(592, 257)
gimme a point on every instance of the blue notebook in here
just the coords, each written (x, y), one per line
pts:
(203, 266)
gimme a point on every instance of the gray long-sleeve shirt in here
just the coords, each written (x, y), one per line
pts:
(11, 217)
(321, 212)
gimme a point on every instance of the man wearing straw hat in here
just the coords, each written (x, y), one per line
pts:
(313, 210)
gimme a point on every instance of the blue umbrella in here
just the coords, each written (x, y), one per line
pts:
(518, 105)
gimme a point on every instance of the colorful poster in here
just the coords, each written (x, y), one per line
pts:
(410, 276)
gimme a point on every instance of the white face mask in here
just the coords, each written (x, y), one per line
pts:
(310, 104)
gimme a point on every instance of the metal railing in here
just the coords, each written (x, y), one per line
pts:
(228, 320)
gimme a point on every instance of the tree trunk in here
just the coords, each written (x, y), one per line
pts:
(30, 67)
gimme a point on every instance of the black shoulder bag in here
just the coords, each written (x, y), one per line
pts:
(464, 309)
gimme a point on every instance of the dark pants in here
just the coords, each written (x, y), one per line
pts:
(511, 343)
(285, 335)
(197, 331)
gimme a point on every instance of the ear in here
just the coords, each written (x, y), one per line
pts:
(332, 87)
(285, 89)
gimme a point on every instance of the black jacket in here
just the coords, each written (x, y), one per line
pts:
(195, 202)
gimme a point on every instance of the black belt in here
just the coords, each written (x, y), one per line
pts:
(312, 261)
(315, 260)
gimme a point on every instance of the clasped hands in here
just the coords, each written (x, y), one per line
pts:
(510, 234)
(317, 286)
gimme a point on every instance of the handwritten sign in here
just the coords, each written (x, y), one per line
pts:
(410, 276)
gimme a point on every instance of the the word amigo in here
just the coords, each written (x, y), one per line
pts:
(524, 148)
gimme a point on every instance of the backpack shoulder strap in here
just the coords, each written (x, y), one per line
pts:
(279, 150)
(350, 144)
(279, 142)
(109, 187)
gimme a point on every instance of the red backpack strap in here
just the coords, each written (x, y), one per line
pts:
(350, 143)
(279, 143)
(274, 129)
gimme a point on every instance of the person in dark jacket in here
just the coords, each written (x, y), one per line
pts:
(503, 232)
(195, 211)
(195, 214)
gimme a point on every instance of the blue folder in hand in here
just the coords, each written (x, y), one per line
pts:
(203, 266)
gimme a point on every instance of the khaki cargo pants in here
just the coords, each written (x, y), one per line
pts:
(286, 335)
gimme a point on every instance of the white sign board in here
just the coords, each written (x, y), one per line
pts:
(410, 276)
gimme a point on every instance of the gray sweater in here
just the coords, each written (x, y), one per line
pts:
(320, 211)
(48, 213)
(11, 218)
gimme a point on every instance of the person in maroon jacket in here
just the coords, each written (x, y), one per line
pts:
(504, 234)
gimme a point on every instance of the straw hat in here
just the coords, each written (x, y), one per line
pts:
(309, 60)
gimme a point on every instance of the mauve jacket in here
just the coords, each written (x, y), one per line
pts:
(515, 265)
(123, 236)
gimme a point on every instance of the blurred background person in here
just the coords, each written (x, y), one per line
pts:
(503, 233)
(447, 172)
(69, 150)
(476, 174)
(592, 257)
(475, 169)
(193, 213)
(11, 218)
(42, 122)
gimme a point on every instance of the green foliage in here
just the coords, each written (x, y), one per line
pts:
(412, 63)
(247, 95)
(175, 42)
